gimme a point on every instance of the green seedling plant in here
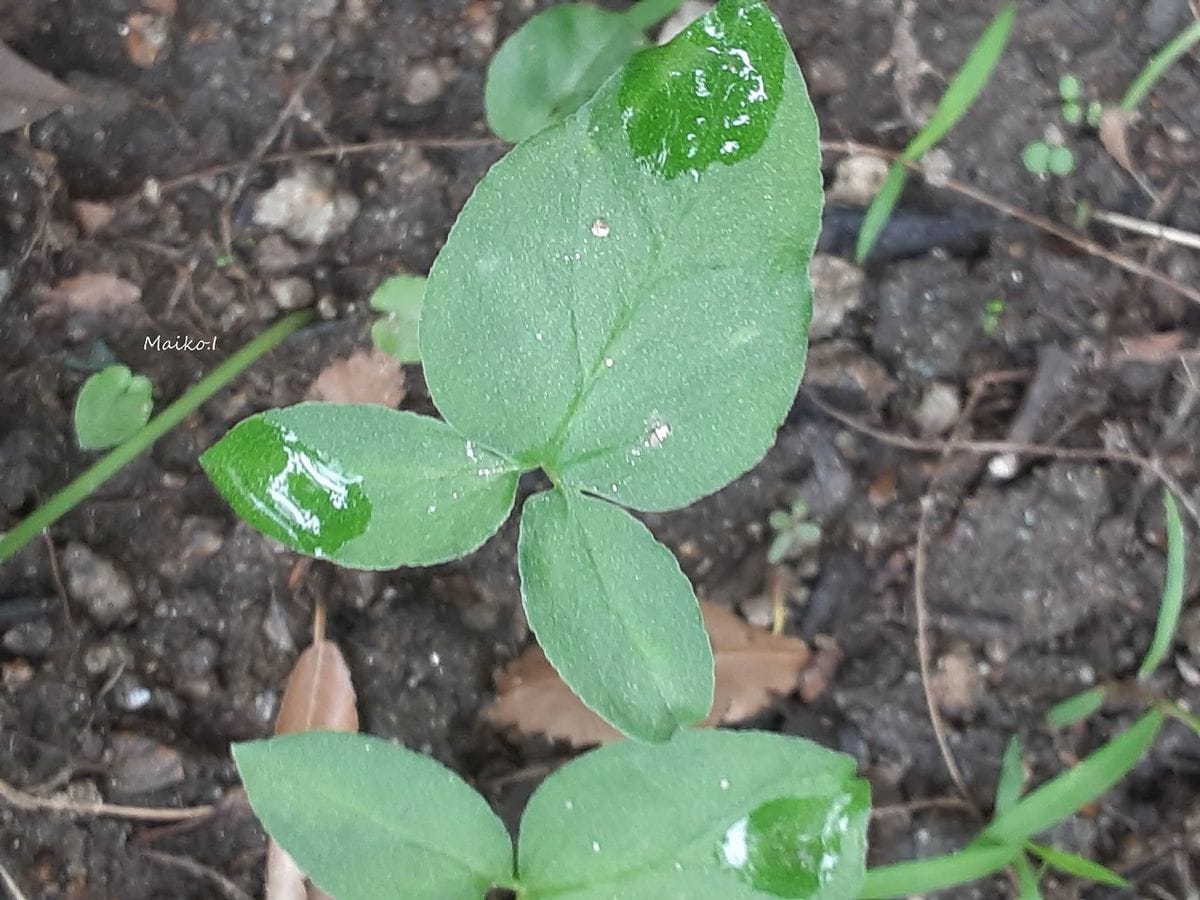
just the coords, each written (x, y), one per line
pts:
(395, 331)
(623, 304)
(1043, 158)
(112, 406)
(992, 312)
(137, 443)
(794, 533)
(960, 94)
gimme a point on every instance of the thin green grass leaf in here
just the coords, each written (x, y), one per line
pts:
(1064, 794)
(923, 876)
(959, 95)
(1008, 788)
(1076, 707)
(1073, 864)
(1159, 63)
(1172, 595)
(1027, 879)
(880, 210)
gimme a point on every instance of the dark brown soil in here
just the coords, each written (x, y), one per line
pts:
(182, 626)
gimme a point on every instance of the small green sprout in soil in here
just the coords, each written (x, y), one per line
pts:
(793, 532)
(395, 332)
(992, 311)
(1075, 109)
(112, 407)
(1041, 158)
(953, 105)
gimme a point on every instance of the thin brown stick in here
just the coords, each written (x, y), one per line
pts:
(264, 144)
(1087, 245)
(228, 888)
(913, 806)
(318, 623)
(1093, 454)
(1150, 229)
(32, 803)
(56, 578)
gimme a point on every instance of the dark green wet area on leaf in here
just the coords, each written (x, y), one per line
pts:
(287, 489)
(792, 846)
(708, 96)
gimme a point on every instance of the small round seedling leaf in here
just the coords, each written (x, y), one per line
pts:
(361, 484)
(1036, 157)
(370, 820)
(711, 816)
(1061, 161)
(395, 332)
(553, 64)
(614, 614)
(1069, 87)
(112, 407)
(623, 320)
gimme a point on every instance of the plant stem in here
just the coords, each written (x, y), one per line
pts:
(648, 13)
(111, 463)
(1159, 63)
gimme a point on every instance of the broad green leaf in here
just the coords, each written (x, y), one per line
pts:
(624, 300)
(368, 820)
(713, 815)
(1012, 777)
(614, 614)
(553, 64)
(1076, 707)
(112, 406)
(954, 103)
(925, 876)
(395, 332)
(1073, 864)
(1064, 794)
(362, 485)
(1171, 603)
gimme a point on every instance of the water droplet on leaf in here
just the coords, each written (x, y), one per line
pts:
(286, 489)
(600, 228)
(791, 846)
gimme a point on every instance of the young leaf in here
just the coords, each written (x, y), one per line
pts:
(553, 64)
(319, 696)
(752, 665)
(1158, 64)
(1171, 603)
(954, 103)
(1065, 793)
(924, 876)
(395, 332)
(112, 407)
(1073, 864)
(1076, 707)
(713, 814)
(411, 822)
(362, 485)
(1012, 777)
(1027, 879)
(632, 648)
(640, 332)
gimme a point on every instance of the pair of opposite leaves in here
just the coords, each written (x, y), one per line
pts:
(623, 303)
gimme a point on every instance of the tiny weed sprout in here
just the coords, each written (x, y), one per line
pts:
(992, 311)
(1040, 158)
(793, 532)
(112, 407)
(955, 102)
(395, 332)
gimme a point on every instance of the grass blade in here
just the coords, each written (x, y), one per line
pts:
(1159, 63)
(1064, 794)
(1008, 788)
(1027, 879)
(959, 95)
(966, 84)
(1076, 707)
(925, 875)
(1073, 864)
(1172, 595)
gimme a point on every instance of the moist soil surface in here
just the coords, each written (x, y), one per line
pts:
(150, 629)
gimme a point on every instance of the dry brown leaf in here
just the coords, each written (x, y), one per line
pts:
(1114, 135)
(92, 217)
(27, 93)
(366, 377)
(319, 697)
(752, 666)
(94, 292)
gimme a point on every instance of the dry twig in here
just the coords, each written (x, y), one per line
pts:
(32, 803)
(228, 888)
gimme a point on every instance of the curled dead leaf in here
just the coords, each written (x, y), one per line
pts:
(752, 667)
(1114, 135)
(27, 93)
(368, 376)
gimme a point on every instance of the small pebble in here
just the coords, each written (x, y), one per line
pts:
(939, 409)
(29, 639)
(96, 584)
